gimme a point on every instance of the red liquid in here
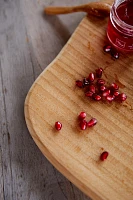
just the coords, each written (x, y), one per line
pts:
(125, 12)
(120, 39)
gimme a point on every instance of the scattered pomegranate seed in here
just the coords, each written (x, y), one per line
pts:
(102, 88)
(79, 83)
(58, 126)
(92, 88)
(89, 94)
(107, 48)
(83, 124)
(85, 82)
(110, 98)
(115, 86)
(91, 77)
(104, 155)
(100, 81)
(122, 97)
(92, 122)
(99, 72)
(82, 115)
(116, 93)
(106, 93)
(96, 97)
(114, 54)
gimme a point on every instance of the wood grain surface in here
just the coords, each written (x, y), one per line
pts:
(54, 97)
(29, 41)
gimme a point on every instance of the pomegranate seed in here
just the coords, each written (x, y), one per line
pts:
(106, 93)
(89, 94)
(116, 93)
(100, 81)
(91, 77)
(107, 48)
(92, 122)
(96, 97)
(85, 82)
(79, 84)
(99, 72)
(110, 98)
(122, 97)
(83, 124)
(58, 126)
(102, 88)
(92, 88)
(115, 86)
(115, 54)
(104, 155)
(82, 115)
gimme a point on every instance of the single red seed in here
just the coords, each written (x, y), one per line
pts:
(122, 97)
(102, 88)
(85, 82)
(110, 98)
(99, 72)
(92, 88)
(82, 115)
(79, 83)
(107, 48)
(104, 155)
(106, 93)
(58, 126)
(96, 97)
(100, 81)
(91, 77)
(115, 86)
(89, 94)
(116, 93)
(115, 54)
(83, 124)
(92, 122)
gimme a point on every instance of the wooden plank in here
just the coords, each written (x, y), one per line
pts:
(28, 42)
(1, 141)
(6, 186)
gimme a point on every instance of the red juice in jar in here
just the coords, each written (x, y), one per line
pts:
(120, 25)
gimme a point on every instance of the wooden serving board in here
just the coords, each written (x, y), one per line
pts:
(54, 97)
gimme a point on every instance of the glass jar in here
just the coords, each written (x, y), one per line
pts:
(120, 25)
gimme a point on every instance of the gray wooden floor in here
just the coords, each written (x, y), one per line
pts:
(29, 41)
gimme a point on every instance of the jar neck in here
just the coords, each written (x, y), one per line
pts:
(120, 25)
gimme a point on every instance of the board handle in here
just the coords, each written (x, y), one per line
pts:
(98, 9)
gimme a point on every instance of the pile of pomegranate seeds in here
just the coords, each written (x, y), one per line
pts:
(113, 52)
(95, 88)
(58, 126)
(104, 156)
(83, 123)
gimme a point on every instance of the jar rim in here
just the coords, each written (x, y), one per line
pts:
(124, 25)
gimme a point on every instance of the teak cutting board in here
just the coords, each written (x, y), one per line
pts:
(54, 97)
